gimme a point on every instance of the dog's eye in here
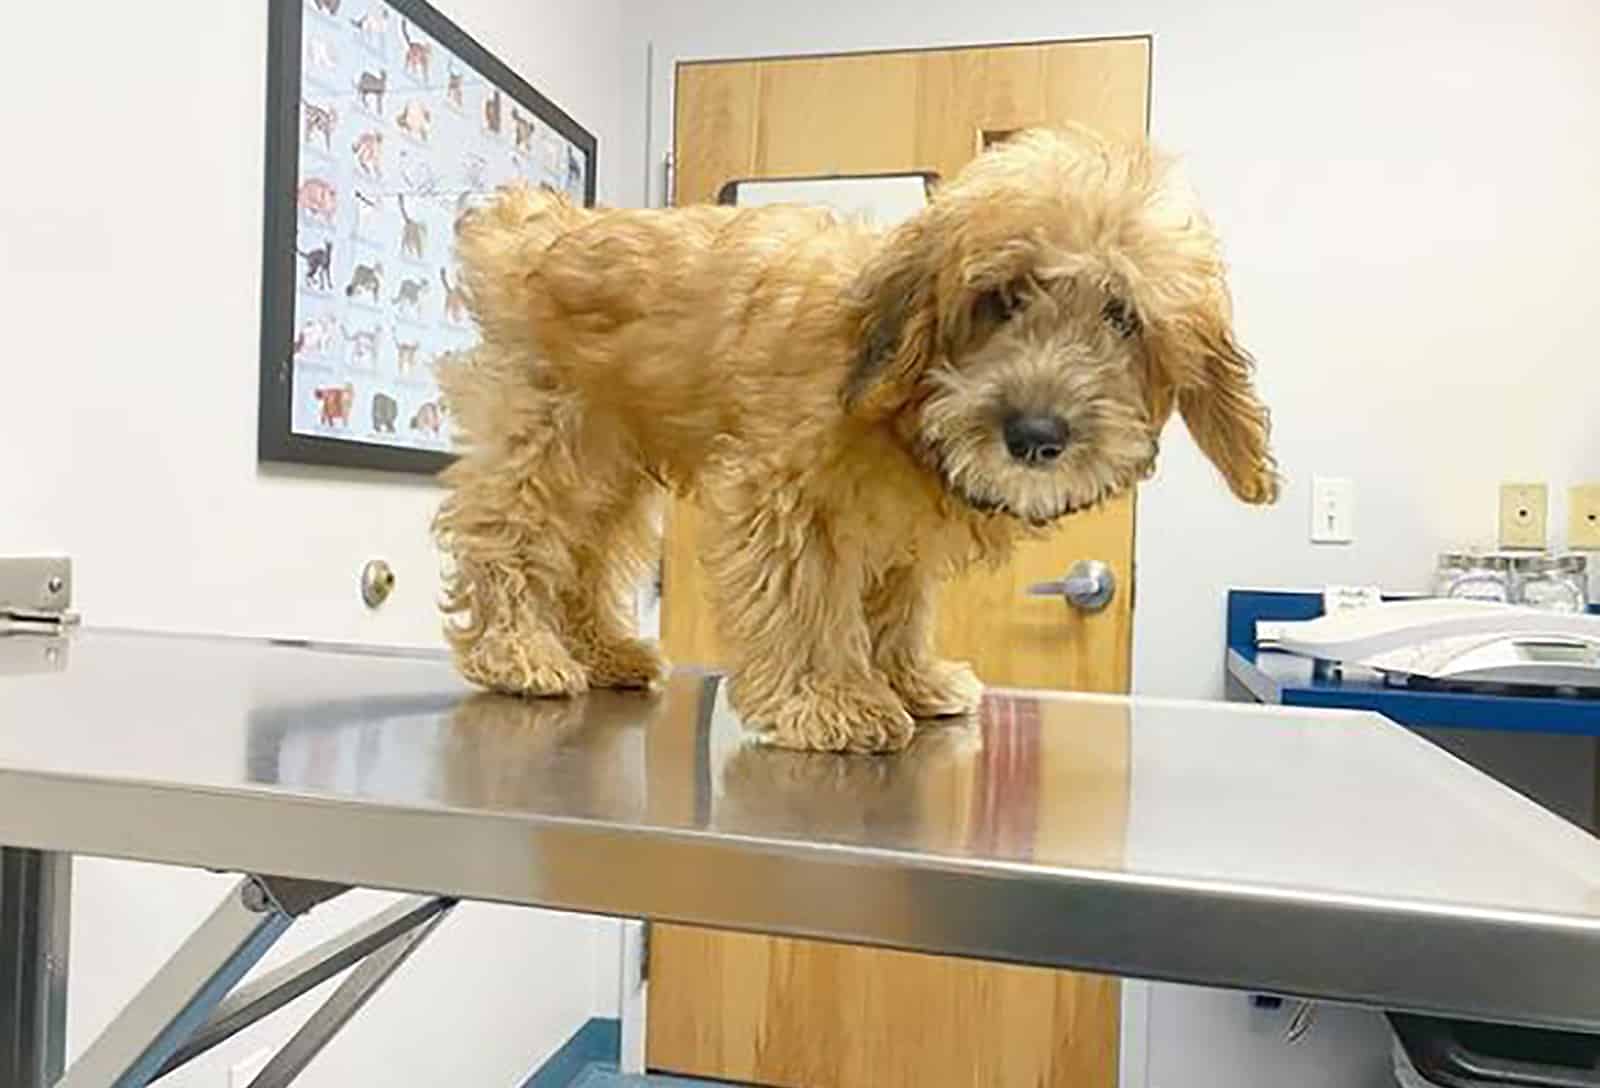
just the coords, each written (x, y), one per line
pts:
(1120, 316)
(999, 305)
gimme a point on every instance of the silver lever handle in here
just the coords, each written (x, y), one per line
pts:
(1089, 586)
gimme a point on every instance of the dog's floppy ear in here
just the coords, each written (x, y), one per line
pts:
(895, 304)
(1211, 376)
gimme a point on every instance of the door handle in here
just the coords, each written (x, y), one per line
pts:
(1088, 586)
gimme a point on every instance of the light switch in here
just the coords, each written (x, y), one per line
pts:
(1332, 510)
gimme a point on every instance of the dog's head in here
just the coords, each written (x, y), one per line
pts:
(1031, 330)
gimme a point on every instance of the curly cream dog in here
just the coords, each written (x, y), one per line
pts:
(858, 414)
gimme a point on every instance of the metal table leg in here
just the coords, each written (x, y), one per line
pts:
(191, 1005)
(276, 988)
(186, 989)
(35, 921)
(355, 991)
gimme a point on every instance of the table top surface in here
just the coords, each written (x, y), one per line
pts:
(1293, 850)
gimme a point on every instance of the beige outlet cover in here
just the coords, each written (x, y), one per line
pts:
(1583, 517)
(1524, 515)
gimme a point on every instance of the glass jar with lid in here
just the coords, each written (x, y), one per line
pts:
(1451, 566)
(1558, 583)
(1473, 576)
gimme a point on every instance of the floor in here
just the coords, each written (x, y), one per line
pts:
(605, 1075)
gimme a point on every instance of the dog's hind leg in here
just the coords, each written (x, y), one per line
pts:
(598, 607)
(502, 637)
(511, 524)
(789, 611)
(900, 609)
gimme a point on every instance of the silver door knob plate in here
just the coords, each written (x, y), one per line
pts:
(1089, 586)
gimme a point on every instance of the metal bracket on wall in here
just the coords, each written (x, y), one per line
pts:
(35, 603)
(35, 595)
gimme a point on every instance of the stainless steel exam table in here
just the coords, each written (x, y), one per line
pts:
(1298, 852)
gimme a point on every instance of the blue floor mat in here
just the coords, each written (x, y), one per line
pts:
(605, 1075)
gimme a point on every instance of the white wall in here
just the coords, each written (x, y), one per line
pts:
(1407, 192)
(131, 273)
(130, 254)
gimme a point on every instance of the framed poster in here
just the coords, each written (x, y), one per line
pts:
(384, 122)
(880, 200)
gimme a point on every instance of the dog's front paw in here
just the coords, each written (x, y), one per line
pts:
(938, 689)
(631, 664)
(837, 719)
(529, 665)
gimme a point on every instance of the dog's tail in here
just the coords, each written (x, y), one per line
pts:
(472, 385)
(500, 246)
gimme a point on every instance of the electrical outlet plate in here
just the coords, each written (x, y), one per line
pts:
(1583, 517)
(1524, 515)
(1332, 510)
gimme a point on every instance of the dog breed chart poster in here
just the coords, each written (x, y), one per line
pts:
(396, 135)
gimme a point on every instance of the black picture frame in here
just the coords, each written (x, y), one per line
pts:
(276, 439)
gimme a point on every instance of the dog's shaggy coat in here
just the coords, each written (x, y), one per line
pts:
(858, 414)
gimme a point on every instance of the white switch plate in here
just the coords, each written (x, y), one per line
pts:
(244, 1072)
(1333, 501)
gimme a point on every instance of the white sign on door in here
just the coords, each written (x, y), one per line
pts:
(880, 201)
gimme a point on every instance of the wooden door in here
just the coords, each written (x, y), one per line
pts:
(806, 1013)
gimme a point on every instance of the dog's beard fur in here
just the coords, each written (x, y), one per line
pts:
(1045, 360)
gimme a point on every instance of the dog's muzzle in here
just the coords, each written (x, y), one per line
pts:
(984, 504)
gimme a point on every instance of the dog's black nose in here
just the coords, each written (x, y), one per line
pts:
(1036, 440)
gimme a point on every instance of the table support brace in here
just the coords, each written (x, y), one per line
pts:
(186, 1008)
